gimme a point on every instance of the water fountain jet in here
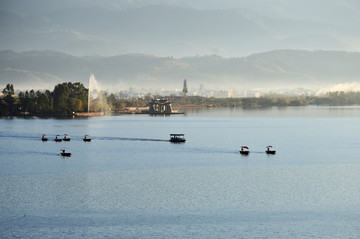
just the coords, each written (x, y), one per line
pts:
(96, 99)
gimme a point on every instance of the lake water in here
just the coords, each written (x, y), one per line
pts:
(130, 182)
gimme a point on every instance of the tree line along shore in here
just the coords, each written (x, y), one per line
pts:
(68, 98)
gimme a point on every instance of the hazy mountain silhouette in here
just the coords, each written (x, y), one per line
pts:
(274, 69)
(177, 29)
(158, 43)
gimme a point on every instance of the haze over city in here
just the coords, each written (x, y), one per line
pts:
(234, 46)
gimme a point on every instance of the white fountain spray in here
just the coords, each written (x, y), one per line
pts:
(95, 95)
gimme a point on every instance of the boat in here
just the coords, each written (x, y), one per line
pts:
(86, 138)
(177, 138)
(44, 138)
(57, 139)
(244, 150)
(64, 153)
(269, 150)
(66, 138)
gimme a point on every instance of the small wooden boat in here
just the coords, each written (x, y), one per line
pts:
(57, 139)
(244, 150)
(66, 138)
(86, 138)
(44, 138)
(177, 138)
(269, 150)
(64, 153)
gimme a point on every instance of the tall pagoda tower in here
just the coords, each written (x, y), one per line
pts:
(185, 89)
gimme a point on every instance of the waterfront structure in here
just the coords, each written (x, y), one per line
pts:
(160, 106)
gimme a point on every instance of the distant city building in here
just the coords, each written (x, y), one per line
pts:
(163, 92)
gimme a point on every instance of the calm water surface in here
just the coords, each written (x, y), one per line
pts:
(130, 182)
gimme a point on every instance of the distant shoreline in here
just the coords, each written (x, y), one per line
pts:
(176, 110)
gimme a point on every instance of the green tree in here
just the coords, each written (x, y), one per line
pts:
(9, 103)
(8, 90)
(42, 103)
(75, 104)
(61, 95)
(78, 91)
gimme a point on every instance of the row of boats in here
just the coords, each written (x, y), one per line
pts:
(174, 138)
(180, 138)
(65, 138)
(244, 150)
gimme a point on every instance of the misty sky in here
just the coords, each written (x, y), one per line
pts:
(179, 27)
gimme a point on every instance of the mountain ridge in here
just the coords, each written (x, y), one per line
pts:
(285, 68)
